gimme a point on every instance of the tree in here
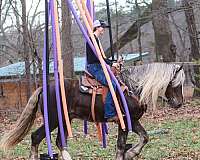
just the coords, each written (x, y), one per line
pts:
(117, 28)
(67, 48)
(132, 32)
(26, 50)
(139, 29)
(183, 56)
(193, 36)
(164, 46)
(138, 13)
(192, 30)
(0, 9)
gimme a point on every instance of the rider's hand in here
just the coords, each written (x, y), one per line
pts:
(115, 68)
(120, 60)
(116, 65)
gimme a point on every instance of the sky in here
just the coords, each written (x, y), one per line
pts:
(42, 5)
(96, 2)
(31, 5)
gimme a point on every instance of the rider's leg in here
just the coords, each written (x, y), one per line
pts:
(97, 71)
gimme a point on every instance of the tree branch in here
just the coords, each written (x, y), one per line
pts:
(132, 32)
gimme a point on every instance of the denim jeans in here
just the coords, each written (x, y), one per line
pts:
(97, 71)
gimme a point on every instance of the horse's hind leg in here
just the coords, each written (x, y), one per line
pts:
(135, 150)
(121, 143)
(36, 138)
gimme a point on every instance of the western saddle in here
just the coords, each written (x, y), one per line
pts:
(89, 85)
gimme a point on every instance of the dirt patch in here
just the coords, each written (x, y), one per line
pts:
(189, 110)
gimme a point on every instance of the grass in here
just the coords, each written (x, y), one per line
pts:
(181, 142)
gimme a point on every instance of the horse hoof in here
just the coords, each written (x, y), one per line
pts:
(65, 155)
(119, 158)
(33, 157)
(119, 155)
(130, 155)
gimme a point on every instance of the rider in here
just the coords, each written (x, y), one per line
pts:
(94, 68)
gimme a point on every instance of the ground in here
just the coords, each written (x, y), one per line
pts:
(174, 135)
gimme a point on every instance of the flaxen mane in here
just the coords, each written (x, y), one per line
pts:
(151, 80)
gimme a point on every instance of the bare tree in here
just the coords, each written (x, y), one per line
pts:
(117, 28)
(139, 29)
(193, 36)
(0, 9)
(164, 46)
(183, 53)
(132, 32)
(7, 41)
(190, 20)
(26, 50)
(67, 48)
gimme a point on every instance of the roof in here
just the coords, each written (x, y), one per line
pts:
(18, 69)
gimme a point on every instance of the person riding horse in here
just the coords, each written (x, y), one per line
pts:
(95, 69)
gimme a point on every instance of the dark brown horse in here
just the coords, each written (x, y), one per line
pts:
(79, 107)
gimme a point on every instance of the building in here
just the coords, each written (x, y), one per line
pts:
(13, 84)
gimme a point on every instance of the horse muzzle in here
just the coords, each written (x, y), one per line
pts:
(174, 103)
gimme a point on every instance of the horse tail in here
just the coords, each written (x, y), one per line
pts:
(23, 124)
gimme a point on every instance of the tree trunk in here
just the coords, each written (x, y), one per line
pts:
(67, 48)
(164, 47)
(26, 50)
(18, 26)
(193, 35)
(189, 14)
(0, 9)
(132, 32)
(183, 56)
(139, 29)
(117, 28)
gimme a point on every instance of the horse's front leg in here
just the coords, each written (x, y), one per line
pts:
(121, 143)
(136, 149)
(63, 150)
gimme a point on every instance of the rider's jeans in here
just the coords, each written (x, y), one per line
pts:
(97, 71)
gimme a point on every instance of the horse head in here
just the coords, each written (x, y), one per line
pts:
(174, 91)
(151, 81)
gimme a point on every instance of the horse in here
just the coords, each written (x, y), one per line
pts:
(146, 80)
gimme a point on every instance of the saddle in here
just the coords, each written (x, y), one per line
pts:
(89, 85)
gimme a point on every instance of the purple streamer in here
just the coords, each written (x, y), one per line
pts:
(70, 5)
(85, 128)
(103, 125)
(88, 4)
(106, 128)
(90, 9)
(123, 100)
(58, 100)
(46, 120)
